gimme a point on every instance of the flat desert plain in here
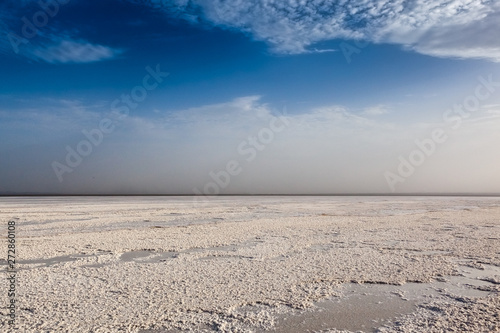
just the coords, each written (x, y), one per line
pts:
(253, 264)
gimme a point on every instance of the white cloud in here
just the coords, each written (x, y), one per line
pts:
(56, 116)
(49, 43)
(375, 110)
(247, 114)
(443, 28)
(70, 51)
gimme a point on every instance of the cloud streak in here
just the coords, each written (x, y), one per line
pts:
(28, 30)
(70, 51)
(442, 28)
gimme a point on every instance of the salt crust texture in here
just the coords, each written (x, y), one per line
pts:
(169, 264)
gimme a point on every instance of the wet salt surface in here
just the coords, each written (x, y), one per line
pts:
(367, 307)
(155, 257)
(361, 308)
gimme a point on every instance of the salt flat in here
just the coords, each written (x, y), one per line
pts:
(256, 264)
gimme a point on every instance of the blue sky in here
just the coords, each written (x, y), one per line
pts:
(354, 83)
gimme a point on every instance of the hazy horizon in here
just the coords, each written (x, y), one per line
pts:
(248, 98)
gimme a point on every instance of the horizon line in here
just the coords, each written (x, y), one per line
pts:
(456, 194)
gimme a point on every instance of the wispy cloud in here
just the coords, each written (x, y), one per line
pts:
(55, 116)
(70, 51)
(45, 41)
(375, 110)
(443, 28)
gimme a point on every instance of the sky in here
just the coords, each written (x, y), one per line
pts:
(249, 97)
